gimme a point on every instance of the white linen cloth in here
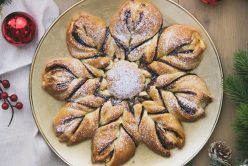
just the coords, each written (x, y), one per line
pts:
(21, 144)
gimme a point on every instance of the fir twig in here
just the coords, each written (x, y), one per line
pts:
(214, 162)
(236, 89)
(241, 130)
(236, 86)
(190, 163)
(5, 2)
(241, 64)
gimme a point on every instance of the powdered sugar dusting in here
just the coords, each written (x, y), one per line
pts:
(125, 80)
(175, 36)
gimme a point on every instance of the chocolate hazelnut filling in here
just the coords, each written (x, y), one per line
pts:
(80, 39)
(180, 50)
(67, 123)
(162, 136)
(186, 108)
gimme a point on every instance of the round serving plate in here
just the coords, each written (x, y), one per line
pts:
(53, 45)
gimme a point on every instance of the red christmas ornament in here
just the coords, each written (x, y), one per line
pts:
(210, 2)
(19, 28)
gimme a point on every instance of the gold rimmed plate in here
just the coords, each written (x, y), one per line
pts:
(53, 45)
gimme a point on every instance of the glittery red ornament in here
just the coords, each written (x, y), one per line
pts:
(19, 28)
(210, 2)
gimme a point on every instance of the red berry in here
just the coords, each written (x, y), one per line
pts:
(19, 105)
(5, 106)
(4, 95)
(13, 98)
(5, 83)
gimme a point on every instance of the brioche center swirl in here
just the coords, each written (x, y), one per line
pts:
(125, 80)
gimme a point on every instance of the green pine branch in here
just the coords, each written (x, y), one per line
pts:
(241, 130)
(214, 162)
(236, 86)
(241, 64)
(2, 3)
(190, 163)
(5, 2)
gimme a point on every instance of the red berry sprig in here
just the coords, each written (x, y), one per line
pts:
(9, 101)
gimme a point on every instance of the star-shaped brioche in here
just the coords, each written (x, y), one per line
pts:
(127, 83)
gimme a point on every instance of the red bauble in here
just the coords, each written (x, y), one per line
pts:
(210, 2)
(19, 28)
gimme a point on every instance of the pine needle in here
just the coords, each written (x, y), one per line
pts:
(241, 129)
(236, 86)
(236, 89)
(190, 163)
(241, 64)
(5, 2)
(213, 162)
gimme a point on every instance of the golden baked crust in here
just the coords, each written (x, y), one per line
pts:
(75, 123)
(128, 83)
(120, 135)
(184, 95)
(62, 76)
(135, 22)
(181, 46)
(85, 36)
(161, 132)
(134, 29)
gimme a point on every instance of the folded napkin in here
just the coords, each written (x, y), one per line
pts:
(21, 144)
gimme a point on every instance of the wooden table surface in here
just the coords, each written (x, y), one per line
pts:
(227, 24)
